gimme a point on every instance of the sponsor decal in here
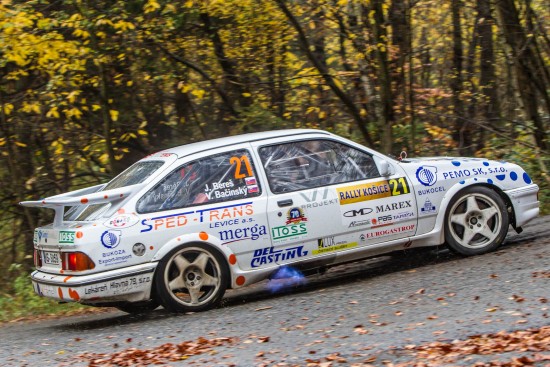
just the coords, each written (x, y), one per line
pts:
(295, 216)
(317, 198)
(124, 285)
(393, 206)
(357, 212)
(269, 255)
(254, 232)
(328, 244)
(165, 222)
(383, 220)
(95, 289)
(224, 223)
(359, 223)
(119, 286)
(402, 216)
(40, 235)
(363, 192)
(388, 231)
(472, 172)
(111, 238)
(288, 232)
(373, 190)
(226, 212)
(122, 221)
(426, 175)
(295, 226)
(114, 257)
(428, 207)
(315, 195)
(320, 204)
(66, 237)
(431, 190)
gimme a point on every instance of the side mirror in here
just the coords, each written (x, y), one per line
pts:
(384, 168)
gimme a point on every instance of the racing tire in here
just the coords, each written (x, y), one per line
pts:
(136, 308)
(191, 278)
(476, 221)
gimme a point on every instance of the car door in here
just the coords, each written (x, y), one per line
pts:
(327, 196)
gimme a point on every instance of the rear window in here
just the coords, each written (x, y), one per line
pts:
(135, 174)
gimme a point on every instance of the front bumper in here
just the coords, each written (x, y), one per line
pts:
(525, 203)
(129, 284)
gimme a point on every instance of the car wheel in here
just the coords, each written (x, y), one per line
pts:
(476, 221)
(138, 307)
(191, 278)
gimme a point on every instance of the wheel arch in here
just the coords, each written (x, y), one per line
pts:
(456, 191)
(202, 238)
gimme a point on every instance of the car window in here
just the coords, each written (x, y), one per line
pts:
(137, 173)
(217, 178)
(313, 163)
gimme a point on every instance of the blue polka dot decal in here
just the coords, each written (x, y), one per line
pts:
(500, 177)
(513, 176)
(456, 163)
(526, 178)
(489, 181)
(462, 182)
(486, 164)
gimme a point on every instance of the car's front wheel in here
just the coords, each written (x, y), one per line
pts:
(191, 278)
(476, 221)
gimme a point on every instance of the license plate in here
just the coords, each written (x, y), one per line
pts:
(51, 258)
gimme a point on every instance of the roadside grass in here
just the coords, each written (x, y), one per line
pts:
(23, 303)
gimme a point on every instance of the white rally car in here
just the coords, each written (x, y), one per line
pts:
(181, 226)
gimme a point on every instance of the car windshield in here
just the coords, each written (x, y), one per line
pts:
(135, 174)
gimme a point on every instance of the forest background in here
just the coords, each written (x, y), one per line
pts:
(88, 87)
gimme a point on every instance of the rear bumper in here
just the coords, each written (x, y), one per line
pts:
(130, 284)
(525, 203)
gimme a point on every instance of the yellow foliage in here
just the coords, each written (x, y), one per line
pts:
(114, 114)
(150, 6)
(53, 112)
(8, 107)
(199, 93)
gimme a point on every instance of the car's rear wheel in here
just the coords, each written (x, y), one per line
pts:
(476, 221)
(191, 278)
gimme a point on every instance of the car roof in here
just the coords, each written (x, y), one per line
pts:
(191, 148)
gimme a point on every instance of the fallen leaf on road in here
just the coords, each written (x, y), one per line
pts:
(263, 308)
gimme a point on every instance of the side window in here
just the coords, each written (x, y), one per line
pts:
(313, 163)
(222, 177)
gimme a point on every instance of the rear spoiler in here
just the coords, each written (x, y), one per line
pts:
(87, 196)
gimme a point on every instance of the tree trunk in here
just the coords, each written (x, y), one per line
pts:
(530, 76)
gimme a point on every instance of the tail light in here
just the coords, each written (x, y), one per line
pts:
(76, 261)
(37, 259)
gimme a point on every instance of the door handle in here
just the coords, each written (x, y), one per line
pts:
(287, 202)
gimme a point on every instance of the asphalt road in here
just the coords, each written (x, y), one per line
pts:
(367, 312)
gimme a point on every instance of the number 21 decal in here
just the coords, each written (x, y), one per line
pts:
(399, 186)
(238, 162)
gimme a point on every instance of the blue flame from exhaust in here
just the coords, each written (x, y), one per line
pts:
(285, 277)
